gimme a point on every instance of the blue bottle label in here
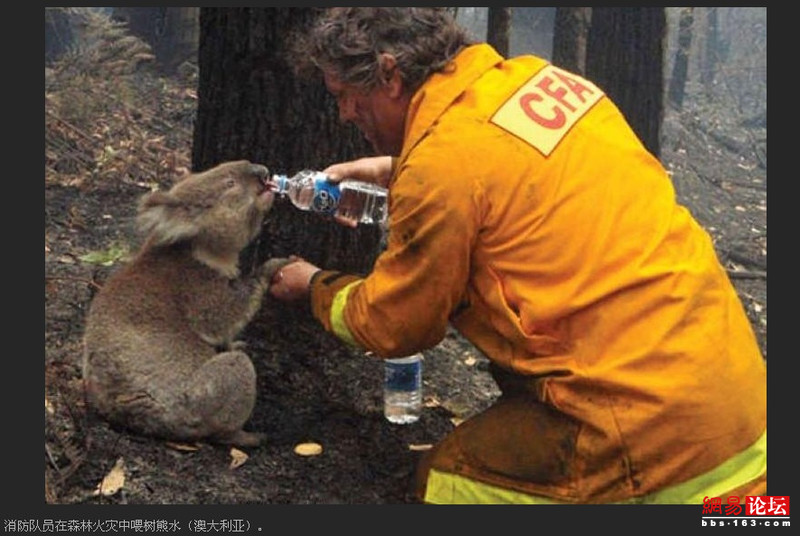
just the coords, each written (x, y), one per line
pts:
(326, 196)
(403, 376)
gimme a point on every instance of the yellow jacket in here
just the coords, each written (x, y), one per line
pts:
(525, 211)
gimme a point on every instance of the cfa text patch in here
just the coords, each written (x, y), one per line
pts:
(543, 110)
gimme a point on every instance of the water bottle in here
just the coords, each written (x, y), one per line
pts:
(402, 389)
(359, 202)
(363, 202)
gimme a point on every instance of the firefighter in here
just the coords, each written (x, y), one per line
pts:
(525, 212)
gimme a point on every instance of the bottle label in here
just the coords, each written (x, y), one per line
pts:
(403, 376)
(326, 196)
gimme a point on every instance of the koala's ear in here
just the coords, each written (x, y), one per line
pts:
(180, 174)
(166, 218)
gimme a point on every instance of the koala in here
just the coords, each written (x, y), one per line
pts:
(159, 352)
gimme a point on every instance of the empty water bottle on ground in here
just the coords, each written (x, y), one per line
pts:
(402, 389)
(356, 201)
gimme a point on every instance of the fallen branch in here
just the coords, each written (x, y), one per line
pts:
(51, 458)
(72, 127)
(735, 255)
(89, 282)
(747, 274)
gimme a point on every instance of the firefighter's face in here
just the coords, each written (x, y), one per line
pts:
(379, 113)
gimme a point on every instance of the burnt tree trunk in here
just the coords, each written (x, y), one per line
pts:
(251, 106)
(625, 56)
(58, 34)
(710, 58)
(569, 38)
(680, 70)
(172, 32)
(498, 28)
(181, 37)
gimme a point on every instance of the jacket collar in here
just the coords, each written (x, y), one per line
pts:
(441, 89)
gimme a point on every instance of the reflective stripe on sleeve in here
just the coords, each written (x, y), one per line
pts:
(744, 467)
(338, 325)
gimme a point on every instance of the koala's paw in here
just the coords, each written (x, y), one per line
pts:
(271, 266)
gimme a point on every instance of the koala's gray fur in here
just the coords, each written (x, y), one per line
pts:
(152, 360)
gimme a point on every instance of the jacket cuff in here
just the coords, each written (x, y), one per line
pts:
(325, 284)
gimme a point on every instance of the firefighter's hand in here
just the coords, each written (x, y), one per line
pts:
(372, 169)
(293, 281)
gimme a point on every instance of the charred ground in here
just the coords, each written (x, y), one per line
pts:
(117, 143)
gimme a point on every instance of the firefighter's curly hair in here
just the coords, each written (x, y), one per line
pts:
(348, 42)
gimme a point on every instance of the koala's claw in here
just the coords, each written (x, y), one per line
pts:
(271, 266)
